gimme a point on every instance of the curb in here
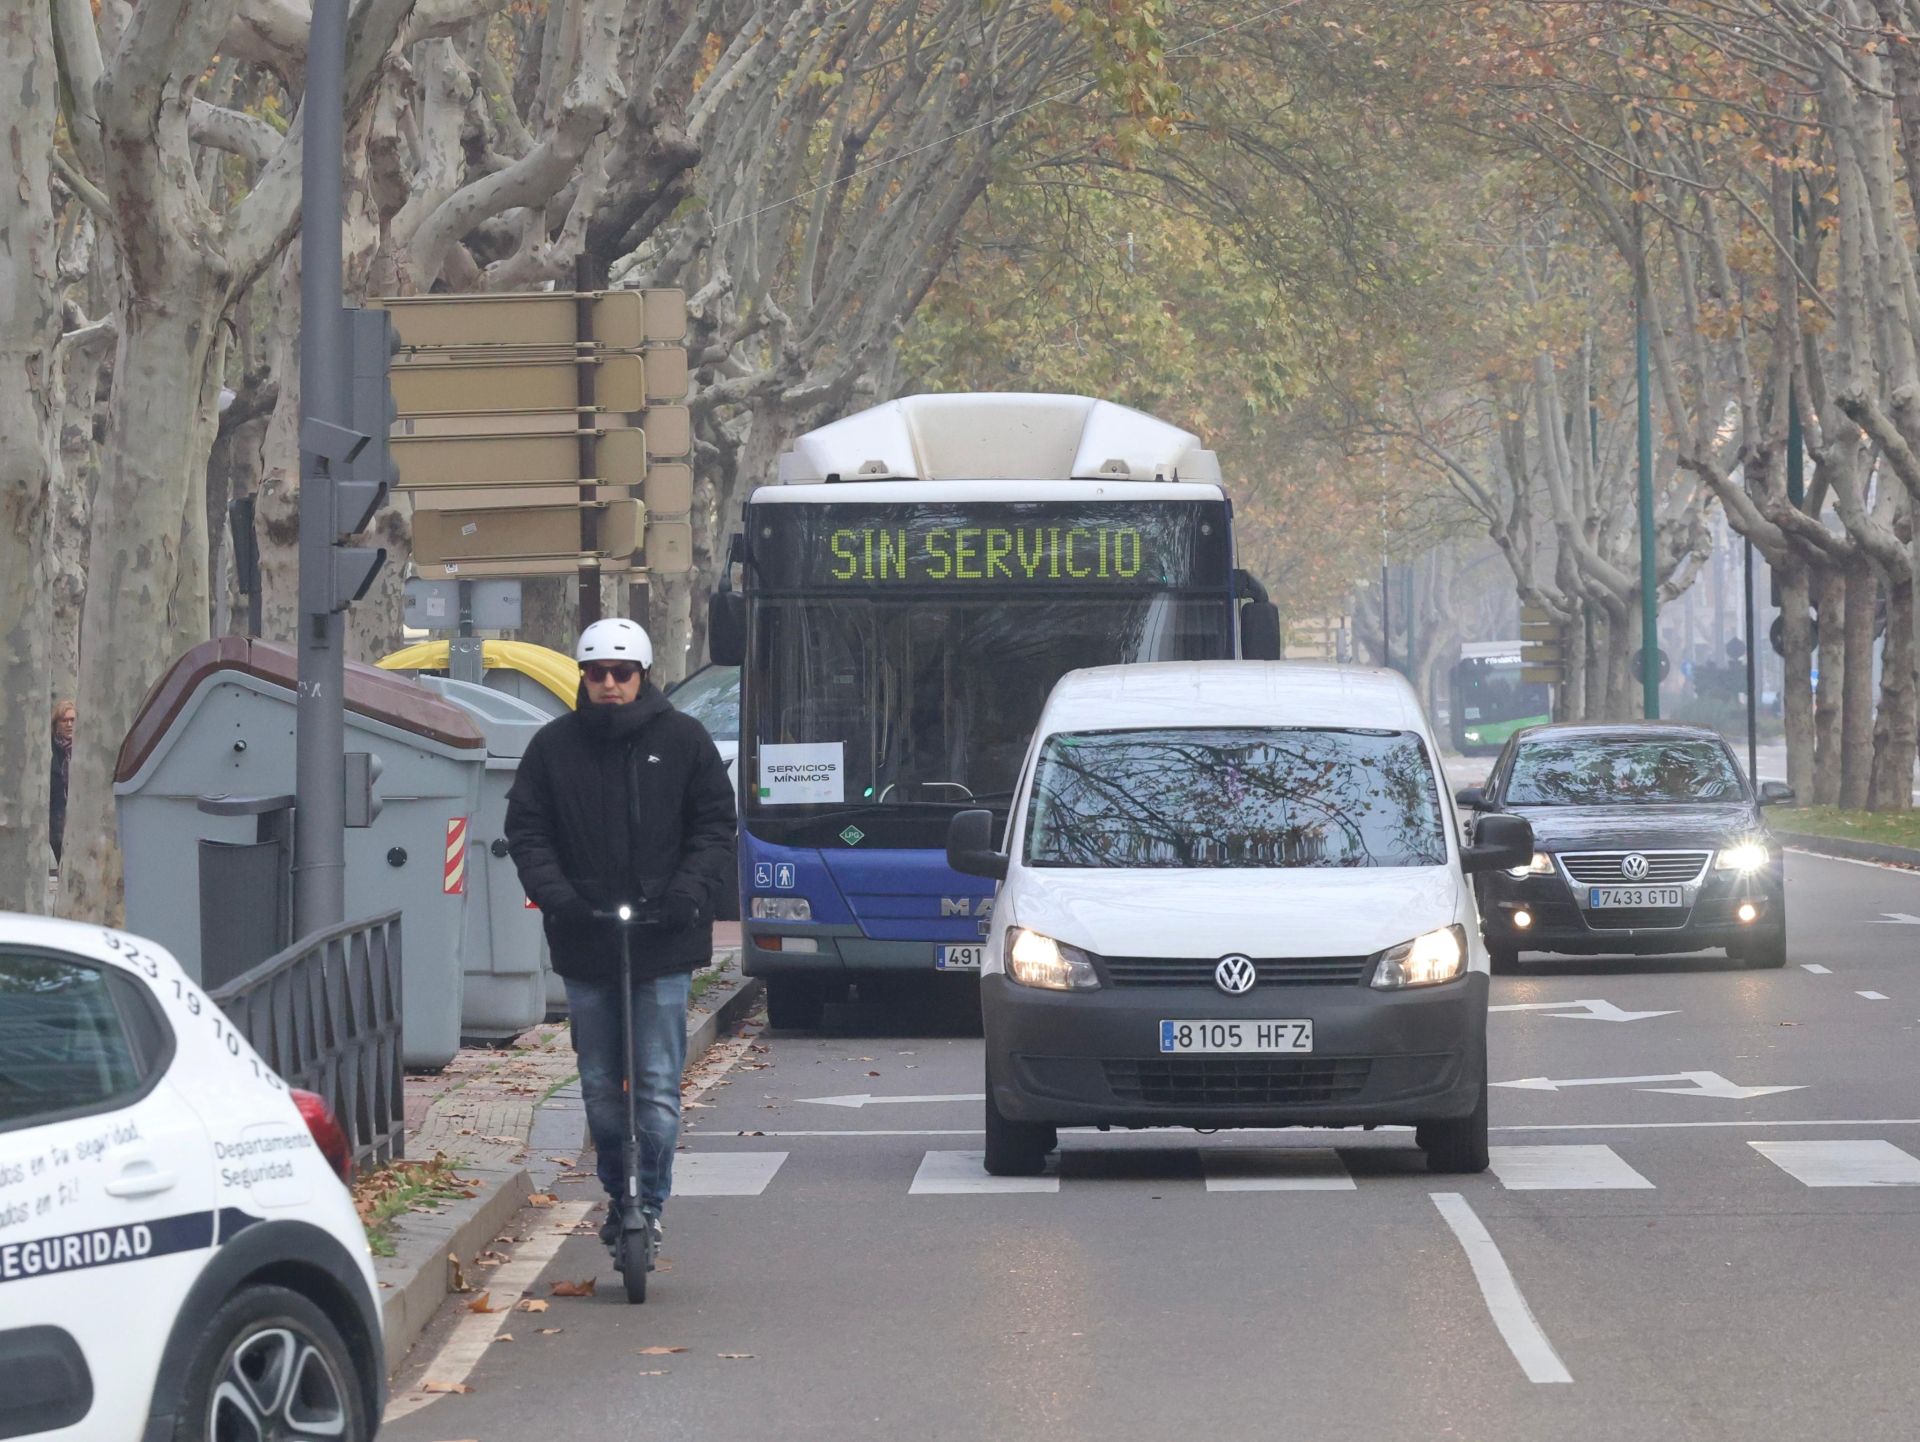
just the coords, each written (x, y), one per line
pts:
(418, 1275)
(1849, 849)
(417, 1278)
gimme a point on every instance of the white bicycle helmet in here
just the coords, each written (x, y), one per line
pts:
(615, 639)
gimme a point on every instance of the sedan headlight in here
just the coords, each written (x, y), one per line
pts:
(1541, 865)
(1036, 960)
(1742, 856)
(781, 908)
(1425, 961)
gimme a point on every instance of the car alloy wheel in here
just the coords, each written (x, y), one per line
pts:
(277, 1386)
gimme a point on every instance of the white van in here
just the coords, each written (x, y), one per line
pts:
(1233, 894)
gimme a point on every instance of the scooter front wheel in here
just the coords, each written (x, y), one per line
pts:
(634, 1262)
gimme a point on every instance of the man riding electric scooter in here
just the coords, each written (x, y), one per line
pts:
(625, 803)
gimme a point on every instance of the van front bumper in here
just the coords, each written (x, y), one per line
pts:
(1379, 1057)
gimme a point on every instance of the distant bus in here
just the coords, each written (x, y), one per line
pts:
(1489, 701)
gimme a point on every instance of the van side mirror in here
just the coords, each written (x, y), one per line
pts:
(1499, 842)
(727, 628)
(1473, 798)
(1775, 793)
(1259, 631)
(970, 846)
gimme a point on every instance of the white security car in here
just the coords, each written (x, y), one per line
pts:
(179, 1255)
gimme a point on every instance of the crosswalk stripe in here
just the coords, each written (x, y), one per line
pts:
(1293, 1169)
(965, 1174)
(1843, 1164)
(724, 1174)
(1564, 1169)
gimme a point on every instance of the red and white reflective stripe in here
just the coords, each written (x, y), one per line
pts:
(454, 879)
(529, 906)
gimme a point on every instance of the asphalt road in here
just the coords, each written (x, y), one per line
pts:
(1699, 1262)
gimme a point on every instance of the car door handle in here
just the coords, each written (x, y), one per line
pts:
(140, 1179)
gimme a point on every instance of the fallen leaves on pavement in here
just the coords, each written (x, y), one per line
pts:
(542, 1199)
(736, 1356)
(660, 1351)
(574, 1289)
(443, 1388)
(482, 1303)
(531, 1304)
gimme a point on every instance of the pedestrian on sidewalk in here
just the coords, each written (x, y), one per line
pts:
(625, 801)
(64, 715)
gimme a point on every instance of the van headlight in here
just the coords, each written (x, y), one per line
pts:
(1742, 856)
(1425, 961)
(1036, 960)
(1541, 865)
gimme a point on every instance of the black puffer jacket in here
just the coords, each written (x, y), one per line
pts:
(620, 804)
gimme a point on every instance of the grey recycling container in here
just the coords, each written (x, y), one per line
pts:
(220, 723)
(504, 950)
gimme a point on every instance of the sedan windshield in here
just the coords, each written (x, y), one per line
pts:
(1597, 771)
(1241, 797)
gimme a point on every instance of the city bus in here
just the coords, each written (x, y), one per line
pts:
(1488, 701)
(911, 585)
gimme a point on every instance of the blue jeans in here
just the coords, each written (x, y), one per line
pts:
(659, 1056)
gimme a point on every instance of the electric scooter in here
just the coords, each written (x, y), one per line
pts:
(633, 1245)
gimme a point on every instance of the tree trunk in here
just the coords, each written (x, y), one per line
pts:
(1891, 785)
(1827, 697)
(146, 563)
(1623, 679)
(1797, 675)
(1856, 699)
(29, 455)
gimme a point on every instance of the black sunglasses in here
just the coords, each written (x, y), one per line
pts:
(598, 671)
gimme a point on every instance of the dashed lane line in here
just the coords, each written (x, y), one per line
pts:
(1508, 1306)
(1816, 968)
(1871, 995)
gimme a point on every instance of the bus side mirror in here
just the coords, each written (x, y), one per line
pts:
(727, 628)
(970, 846)
(1259, 631)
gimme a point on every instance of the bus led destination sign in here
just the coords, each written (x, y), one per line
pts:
(988, 553)
(1052, 545)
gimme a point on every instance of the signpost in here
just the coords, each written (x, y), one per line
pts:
(1543, 645)
(545, 434)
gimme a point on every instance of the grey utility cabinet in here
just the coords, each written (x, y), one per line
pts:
(504, 948)
(220, 724)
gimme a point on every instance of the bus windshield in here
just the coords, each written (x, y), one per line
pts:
(871, 701)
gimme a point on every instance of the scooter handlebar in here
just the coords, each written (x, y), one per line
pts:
(645, 914)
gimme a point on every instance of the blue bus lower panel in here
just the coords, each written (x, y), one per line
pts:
(868, 910)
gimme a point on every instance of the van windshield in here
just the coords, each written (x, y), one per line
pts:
(1207, 797)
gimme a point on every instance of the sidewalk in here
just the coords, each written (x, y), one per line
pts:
(479, 1111)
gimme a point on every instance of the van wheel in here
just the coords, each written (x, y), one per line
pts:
(1503, 960)
(1457, 1146)
(271, 1364)
(795, 1003)
(1016, 1149)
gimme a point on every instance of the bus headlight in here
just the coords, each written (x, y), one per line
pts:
(781, 908)
(1744, 856)
(1036, 960)
(1541, 865)
(1425, 961)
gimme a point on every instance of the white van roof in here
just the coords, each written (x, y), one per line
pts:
(1233, 693)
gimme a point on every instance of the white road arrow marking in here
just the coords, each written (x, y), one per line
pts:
(1593, 1010)
(862, 1099)
(1895, 918)
(1700, 1084)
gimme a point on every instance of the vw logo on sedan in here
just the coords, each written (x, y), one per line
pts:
(1234, 975)
(1633, 866)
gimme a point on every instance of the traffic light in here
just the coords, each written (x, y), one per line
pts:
(362, 779)
(360, 484)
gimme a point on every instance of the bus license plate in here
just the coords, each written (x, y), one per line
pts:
(1600, 897)
(1232, 1036)
(959, 958)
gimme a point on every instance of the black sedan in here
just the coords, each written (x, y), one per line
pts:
(1649, 840)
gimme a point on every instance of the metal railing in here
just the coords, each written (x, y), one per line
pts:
(325, 1015)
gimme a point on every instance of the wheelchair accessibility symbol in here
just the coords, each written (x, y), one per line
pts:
(763, 874)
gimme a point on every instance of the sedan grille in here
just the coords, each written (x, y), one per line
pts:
(1602, 868)
(1186, 971)
(1238, 1081)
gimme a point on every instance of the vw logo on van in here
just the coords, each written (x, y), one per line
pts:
(1234, 975)
(1633, 866)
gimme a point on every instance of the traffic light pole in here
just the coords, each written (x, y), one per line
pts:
(319, 873)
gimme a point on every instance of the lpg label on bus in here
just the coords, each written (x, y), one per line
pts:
(794, 774)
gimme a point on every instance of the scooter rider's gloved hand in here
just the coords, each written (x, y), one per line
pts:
(678, 911)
